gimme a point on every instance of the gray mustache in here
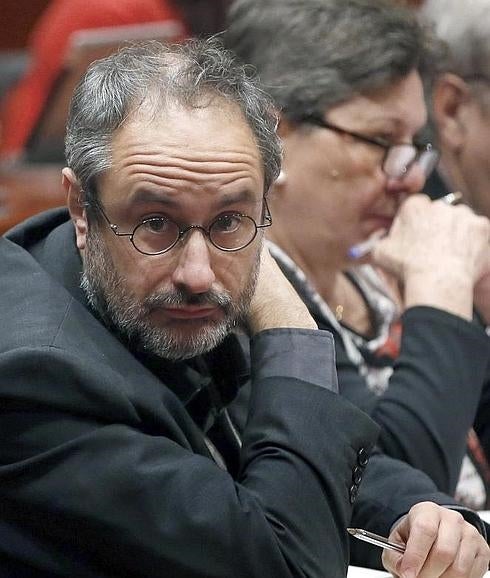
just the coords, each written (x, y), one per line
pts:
(180, 297)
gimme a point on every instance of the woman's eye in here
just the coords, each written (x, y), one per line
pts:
(227, 223)
(385, 139)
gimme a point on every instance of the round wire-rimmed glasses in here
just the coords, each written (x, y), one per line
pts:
(398, 158)
(228, 232)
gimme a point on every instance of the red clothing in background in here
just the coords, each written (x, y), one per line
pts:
(49, 41)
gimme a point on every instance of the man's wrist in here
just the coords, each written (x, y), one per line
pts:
(470, 516)
(303, 354)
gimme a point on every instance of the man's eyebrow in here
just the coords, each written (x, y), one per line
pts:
(149, 196)
(245, 195)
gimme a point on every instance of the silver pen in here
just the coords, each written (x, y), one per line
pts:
(375, 539)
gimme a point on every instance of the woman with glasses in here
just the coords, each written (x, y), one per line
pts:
(368, 254)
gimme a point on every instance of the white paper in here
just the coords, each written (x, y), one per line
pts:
(356, 572)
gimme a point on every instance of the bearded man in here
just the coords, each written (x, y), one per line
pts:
(118, 356)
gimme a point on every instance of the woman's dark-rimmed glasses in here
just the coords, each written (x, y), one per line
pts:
(228, 232)
(398, 158)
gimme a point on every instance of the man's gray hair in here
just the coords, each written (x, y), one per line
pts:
(313, 54)
(191, 75)
(465, 28)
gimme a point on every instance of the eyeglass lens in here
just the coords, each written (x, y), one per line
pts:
(400, 158)
(228, 232)
(232, 231)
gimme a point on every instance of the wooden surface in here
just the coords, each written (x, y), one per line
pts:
(27, 191)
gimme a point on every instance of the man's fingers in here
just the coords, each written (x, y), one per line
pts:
(439, 543)
(391, 561)
(447, 551)
(480, 566)
(423, 535)
(472, 557)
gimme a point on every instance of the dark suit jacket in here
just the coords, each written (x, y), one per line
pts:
(105, 470)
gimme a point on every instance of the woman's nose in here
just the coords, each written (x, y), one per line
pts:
(409, 183)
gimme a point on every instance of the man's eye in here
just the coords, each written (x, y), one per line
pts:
(156, 225)
(229, 223)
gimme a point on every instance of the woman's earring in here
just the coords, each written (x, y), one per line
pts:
(334, 173)
(281, 179)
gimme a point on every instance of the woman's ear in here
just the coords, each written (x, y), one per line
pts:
(76, 207)
(281, 179)
(449, 99)
(285, 127)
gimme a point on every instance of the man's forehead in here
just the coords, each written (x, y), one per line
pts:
(169, 112)
(217, 124)
(186, 148)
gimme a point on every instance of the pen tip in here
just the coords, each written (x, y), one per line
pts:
(352, 531)
(354, 252)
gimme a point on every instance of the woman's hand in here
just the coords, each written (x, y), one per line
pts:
(438, 252)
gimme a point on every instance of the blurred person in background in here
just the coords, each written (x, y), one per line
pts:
(461, 98)
(50, 38)
(411, 3)
(460, 119)
(347, 77)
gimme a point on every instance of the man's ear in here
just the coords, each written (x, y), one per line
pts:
(76, 207)
(449, 99)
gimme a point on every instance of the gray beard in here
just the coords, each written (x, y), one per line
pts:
(108, 294)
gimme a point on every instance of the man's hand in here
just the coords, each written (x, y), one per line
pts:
(439, 543)
(275, 302)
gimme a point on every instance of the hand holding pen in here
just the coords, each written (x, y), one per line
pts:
(365, 247)
(428, 258)
(431, 541)
(376, 539)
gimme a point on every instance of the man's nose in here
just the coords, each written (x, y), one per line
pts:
(411, 182)
(193, 271)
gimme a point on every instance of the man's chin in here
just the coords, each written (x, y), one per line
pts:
(183, 340)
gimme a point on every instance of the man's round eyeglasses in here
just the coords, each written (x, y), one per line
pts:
(228, 232)
(398, 158)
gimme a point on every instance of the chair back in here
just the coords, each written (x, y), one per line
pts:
(46, 143)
